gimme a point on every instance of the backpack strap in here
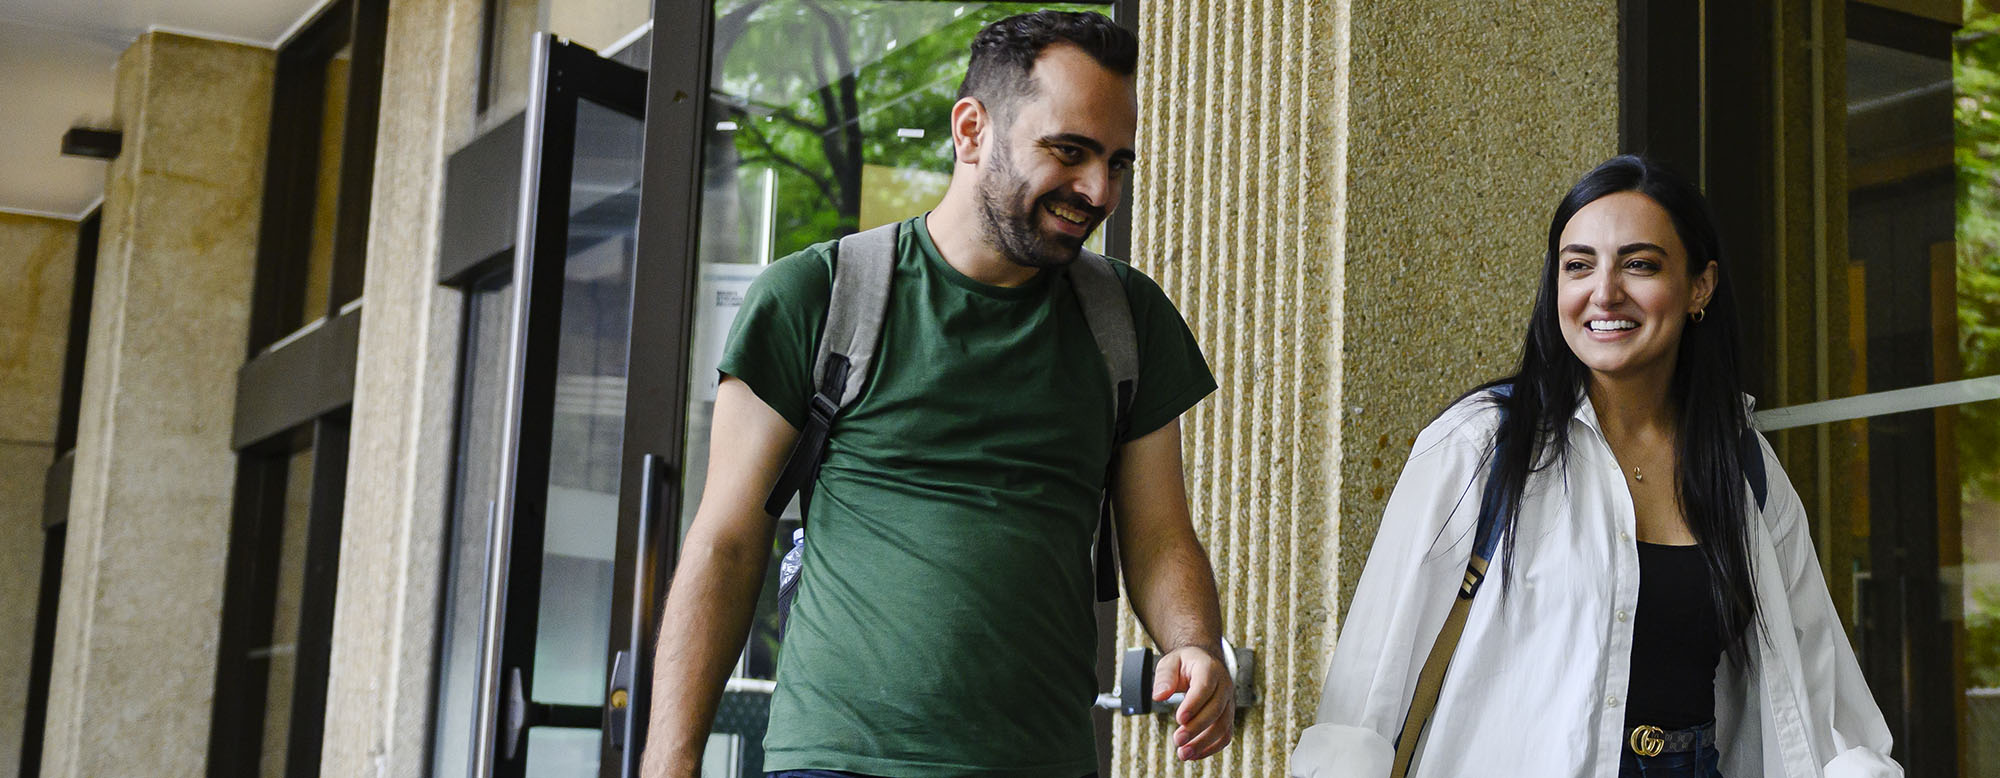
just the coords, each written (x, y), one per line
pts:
(1751, 457)
(1109, 316)
(1430, 680)
(863, 264)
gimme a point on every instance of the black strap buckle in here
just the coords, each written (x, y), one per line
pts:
(822, 409)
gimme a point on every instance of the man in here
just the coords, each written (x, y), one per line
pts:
(943, 624)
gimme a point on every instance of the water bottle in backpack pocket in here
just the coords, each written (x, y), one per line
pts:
(788, 577)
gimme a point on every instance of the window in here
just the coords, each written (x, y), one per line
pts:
(1855, 184)
(293, 396)
(319, 171)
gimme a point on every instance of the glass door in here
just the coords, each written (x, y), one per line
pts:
(820, 119)
(547, 704)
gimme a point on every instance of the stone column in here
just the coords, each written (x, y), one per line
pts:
(37, 259)
(378, 717)
(1348, 199)
(135, 654)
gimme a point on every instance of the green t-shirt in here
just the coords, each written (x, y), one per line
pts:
(943, 623)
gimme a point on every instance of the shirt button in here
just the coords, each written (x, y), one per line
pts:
(1621, 615)
(1611, 701)
(1625, 536)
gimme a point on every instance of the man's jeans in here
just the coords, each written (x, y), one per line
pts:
(835, 775)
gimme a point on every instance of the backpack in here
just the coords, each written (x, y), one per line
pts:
(862, 271)
(1486, 539)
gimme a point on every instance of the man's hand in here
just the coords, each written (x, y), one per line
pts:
(1207, 715)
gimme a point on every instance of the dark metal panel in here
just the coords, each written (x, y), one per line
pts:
(1898, 30)
(297, 382)
(74, 349)
(315, 637)
(541, 327)
(482, 200)
(676, 109)
(42, 661)
(249, 599)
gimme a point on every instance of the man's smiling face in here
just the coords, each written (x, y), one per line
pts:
(1059, 159)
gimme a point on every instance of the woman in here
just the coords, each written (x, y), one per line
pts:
(1643, 594)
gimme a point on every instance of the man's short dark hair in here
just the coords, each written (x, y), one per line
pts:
(1004, 52)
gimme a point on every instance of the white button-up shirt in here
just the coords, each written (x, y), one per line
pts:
(1537, 683)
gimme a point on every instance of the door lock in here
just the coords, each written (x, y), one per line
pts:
(618, 720)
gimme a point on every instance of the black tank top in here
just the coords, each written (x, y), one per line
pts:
(1675, 643)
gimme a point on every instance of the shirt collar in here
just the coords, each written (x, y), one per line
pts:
(1587, 413)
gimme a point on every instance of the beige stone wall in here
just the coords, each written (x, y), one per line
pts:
(134, 671)
(399, 466)
(1348, 199)
(37, 260)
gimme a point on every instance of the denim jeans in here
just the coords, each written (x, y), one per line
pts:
(1699, 763)
(835, 775)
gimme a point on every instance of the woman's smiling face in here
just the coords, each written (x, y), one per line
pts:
(1623, 286)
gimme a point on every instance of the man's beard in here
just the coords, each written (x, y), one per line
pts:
(1019, 234)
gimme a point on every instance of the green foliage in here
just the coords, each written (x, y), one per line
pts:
(819, 89)
(1976, 75)
(1982, 639)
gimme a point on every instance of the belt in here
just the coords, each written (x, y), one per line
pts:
(1648, 740)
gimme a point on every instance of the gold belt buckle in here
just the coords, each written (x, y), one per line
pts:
(1646, 740)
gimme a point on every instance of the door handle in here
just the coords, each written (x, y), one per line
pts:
(1133, 695)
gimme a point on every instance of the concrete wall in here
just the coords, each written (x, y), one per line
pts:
(399, 467)
(1348, 199)
(134, 672)
(37, 260)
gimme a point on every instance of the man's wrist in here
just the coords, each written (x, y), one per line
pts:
(1212, 647)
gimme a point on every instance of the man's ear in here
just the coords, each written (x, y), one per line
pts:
(970, 127)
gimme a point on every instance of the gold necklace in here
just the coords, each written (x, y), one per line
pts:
(1638, 476)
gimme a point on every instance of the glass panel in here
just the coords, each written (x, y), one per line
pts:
(561, 753)
(483, 377)
(880, 78)
(1891, 301)
(1908, 533)
(280, 654)
(587, 434)
(606, 26)
(326, 197)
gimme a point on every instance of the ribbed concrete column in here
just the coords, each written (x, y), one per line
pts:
(399, 463)
(37, 259)
(1347, 198)
(134, 671)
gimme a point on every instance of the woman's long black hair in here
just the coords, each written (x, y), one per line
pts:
(1706, 391)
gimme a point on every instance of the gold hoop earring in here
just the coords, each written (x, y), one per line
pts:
(1698, 315)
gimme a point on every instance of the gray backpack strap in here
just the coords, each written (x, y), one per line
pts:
(1109, 315)
(862, 268)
